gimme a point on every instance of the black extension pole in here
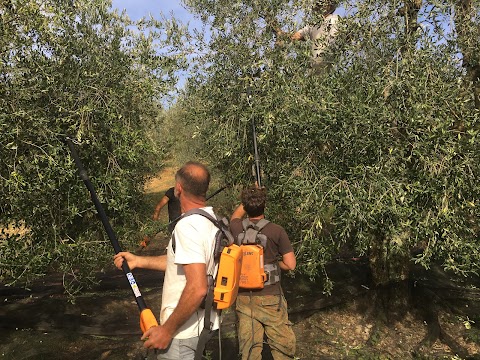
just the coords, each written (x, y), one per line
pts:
(147, 319)
(216, 192)
(257, 157)
(256, 166)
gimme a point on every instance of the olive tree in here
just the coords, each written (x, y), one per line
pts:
(378, 156)
(80, 70)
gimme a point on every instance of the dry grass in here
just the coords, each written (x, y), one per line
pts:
(164, 180)
(11, 229)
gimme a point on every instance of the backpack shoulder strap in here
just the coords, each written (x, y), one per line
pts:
(261, 224)
(222, 225)
(247, 223)
(261, 236)
(223, 238)
(252, 232)
(202, 212)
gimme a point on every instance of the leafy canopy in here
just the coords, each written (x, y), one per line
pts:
(77, 69)
(378, 156)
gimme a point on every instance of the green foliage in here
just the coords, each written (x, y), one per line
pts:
(76, 69)
(380, 155)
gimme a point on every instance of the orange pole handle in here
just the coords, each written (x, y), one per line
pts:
(147, 320)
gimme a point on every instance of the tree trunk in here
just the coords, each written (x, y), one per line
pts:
(390, 275)
(410, 13)
(468, 34)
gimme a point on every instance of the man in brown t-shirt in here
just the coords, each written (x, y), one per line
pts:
(264, 311)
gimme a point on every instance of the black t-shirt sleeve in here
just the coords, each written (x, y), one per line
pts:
(170, 193)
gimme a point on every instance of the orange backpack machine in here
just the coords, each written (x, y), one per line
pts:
(223, 285)
(255, 274)
(252, 275)
(228, 277)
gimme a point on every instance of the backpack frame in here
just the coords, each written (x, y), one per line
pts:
(255, 274)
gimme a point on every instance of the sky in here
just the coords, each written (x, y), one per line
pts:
(139, 8)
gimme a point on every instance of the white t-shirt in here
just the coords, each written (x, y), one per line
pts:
(321, 35)
(194, 244)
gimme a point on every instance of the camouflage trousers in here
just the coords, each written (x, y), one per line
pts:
(264, 315)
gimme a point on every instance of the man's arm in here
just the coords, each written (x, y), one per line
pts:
(288, 262)
(239, 213)
(159, 337)
(297, 36)
(159, 207)
(276, 28)
(143, 262)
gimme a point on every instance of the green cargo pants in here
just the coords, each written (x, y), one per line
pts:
(259, 315)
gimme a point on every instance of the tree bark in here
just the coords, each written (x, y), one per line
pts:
(390, 274)
(410, 12)
(468, 34)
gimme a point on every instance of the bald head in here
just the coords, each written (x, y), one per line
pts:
(194, 178)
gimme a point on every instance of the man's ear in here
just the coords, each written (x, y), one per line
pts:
(177, 190)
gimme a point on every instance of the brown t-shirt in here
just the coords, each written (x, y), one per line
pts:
(278, 243)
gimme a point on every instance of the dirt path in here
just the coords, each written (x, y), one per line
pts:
(103, 323)
(162, 181)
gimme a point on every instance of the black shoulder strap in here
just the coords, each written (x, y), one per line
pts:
(207, 332)
(223, 238)
(201, 212)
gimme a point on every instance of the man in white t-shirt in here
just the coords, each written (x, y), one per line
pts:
(188, 260)
(321, 35)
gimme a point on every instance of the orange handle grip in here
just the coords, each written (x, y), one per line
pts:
(147, 320)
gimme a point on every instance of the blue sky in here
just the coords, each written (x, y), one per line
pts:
(139, 8)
